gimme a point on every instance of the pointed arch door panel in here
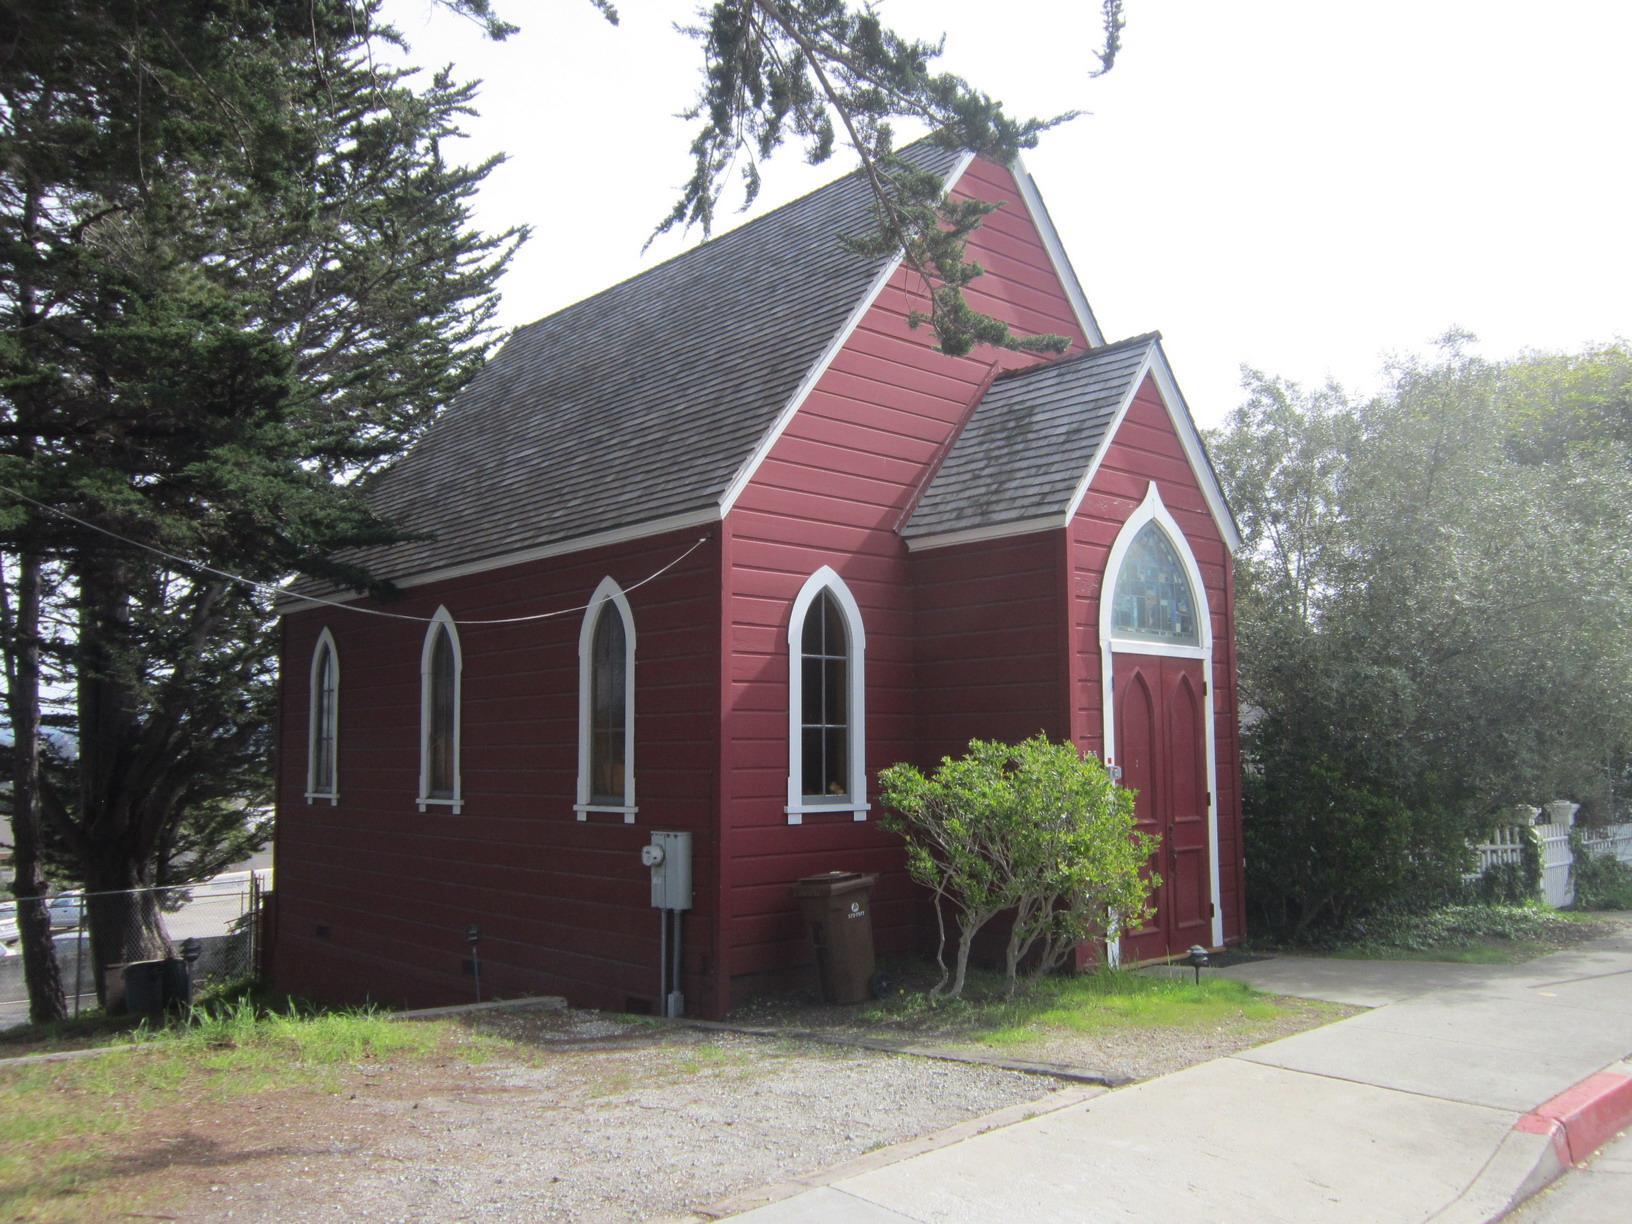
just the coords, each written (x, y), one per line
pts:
(1161, 745)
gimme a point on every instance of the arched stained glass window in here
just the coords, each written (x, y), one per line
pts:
(439, 741)
(606, 705)
(607, 689)
(321, 751)
(1153, 601)
(440, 666)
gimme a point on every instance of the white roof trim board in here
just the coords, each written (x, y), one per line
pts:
(1033, 200)
(774, 434)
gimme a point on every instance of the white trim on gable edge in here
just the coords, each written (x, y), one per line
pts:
(1033, 200)
(608, 592)
(746, 473)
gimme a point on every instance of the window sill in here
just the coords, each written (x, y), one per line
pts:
(332, 796)
(455, 804)
(626, 811)
(796, 812)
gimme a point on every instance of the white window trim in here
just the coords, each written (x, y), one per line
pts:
(1152, 510)
(442, 620)
(826, 579)
(325, 638)
(607, 592)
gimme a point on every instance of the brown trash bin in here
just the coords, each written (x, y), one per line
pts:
(839, 912)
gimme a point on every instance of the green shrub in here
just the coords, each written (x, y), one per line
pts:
(1035, 828)
(1514, 883)
(1602, 881)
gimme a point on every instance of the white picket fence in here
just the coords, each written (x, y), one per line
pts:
(1553, 823)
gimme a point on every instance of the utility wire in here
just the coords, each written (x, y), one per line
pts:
(278, 592)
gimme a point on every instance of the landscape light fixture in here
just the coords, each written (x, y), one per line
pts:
(1196, 959)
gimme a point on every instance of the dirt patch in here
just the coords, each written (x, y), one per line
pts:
(586, 1118)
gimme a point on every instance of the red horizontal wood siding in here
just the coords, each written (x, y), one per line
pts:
(1146, 448)
(989, 620)
(563, 905)
(833, 491)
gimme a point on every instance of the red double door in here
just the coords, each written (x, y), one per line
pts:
(1161, 745)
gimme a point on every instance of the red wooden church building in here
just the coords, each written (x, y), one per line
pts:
(788, 543)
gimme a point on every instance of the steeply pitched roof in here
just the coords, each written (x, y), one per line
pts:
(638, 404)
(1027, 445)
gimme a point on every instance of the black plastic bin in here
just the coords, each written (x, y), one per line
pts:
(155, 986)
(144, 987)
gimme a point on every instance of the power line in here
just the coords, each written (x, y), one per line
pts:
(277, 592)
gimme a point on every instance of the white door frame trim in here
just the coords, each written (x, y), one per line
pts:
(1152, 510)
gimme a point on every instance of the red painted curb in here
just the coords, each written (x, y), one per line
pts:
(1583, 1118)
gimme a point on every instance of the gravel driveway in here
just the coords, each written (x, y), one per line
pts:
(600, 1120)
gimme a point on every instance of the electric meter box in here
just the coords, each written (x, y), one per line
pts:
(669, 857)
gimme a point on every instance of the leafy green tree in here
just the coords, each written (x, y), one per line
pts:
(1033, 828)
(1435, 604)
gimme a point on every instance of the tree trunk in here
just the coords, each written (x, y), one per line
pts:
(120, 826)
(40, 971)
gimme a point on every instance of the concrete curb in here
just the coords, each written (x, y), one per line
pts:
(1546, 1143)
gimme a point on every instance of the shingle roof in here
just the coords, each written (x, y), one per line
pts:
(639, 403)
(1029, 441)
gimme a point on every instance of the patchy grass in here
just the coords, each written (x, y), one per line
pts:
(1098, 1002)
(1106, 1001)
(58, 1119)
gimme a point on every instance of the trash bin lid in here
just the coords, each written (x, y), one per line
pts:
(830, 882)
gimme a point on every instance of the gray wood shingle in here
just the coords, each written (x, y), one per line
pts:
(639, 403)
(1029, 442)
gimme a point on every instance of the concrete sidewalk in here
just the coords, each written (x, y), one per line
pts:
(1432, 1106)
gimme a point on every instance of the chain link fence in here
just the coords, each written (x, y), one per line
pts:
(213, 924)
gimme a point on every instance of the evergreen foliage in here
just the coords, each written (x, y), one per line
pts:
(801, 70)
(236, 275)
(1434, 617)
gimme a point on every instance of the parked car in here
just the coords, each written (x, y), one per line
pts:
(66, 909)
(9, 933)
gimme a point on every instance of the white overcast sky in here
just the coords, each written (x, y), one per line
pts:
(1304, 186)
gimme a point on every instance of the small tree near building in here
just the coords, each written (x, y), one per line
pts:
(1034, 828)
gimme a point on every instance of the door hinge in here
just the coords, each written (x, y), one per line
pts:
(1209, 800)
(1212, 910)
(1205, 688)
